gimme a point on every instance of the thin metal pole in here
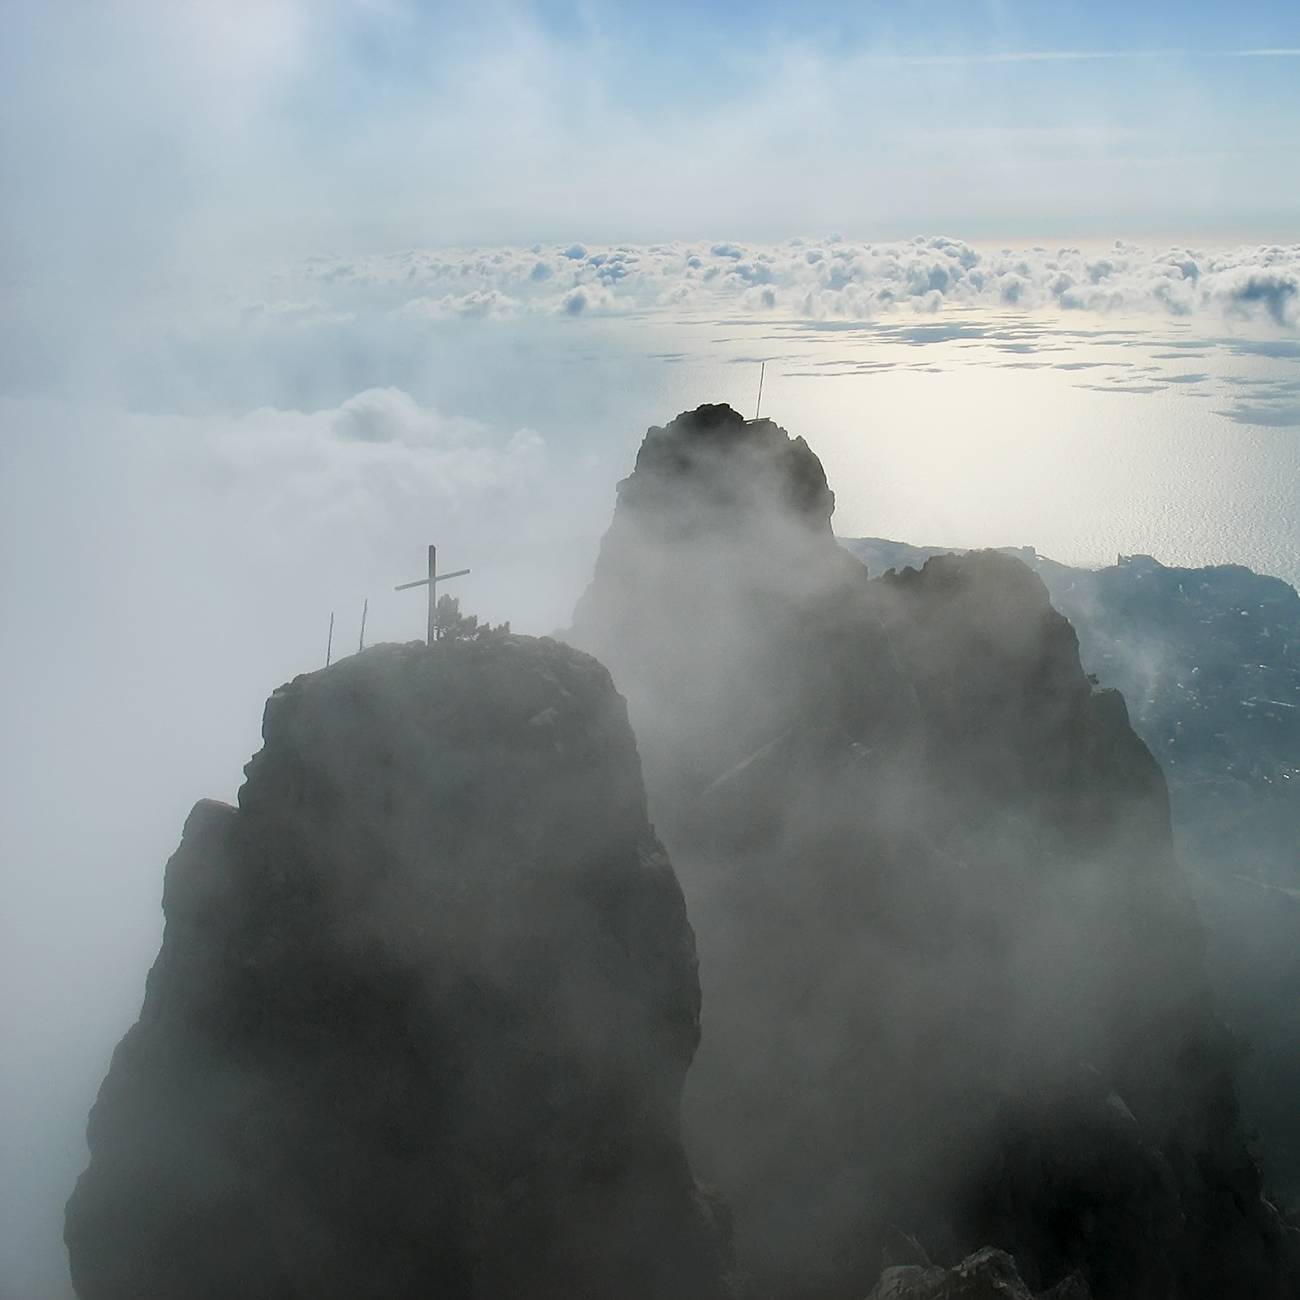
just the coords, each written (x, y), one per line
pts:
(433, 594)
(329, 645)
(361, 640)
(758, 406)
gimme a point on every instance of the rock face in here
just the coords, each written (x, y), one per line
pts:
(1209, 661)
(422, 1012)
(953, 978)
(723, 531)
(987, 1274)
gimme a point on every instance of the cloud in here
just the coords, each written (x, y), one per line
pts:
(358, 455)
(819, 280)
(146, 132)
(389, 415)
(1246, 290)
(478, 304)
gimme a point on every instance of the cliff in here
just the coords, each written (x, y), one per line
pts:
(1208, 659)
(954, 982)
(422, 1013)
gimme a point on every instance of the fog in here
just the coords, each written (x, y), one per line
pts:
(161, 579)
(165, 569)
(209, 441)
(914, 929)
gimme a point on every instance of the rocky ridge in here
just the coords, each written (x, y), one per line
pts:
(427, 998)
(953, 977)
(422, 1013)
(1208, 660)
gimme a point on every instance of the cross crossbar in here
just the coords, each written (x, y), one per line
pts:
(424, 582)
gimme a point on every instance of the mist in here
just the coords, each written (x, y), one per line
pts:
(293, 290)
(926, 949)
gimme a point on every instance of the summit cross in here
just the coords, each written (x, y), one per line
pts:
(432, 582)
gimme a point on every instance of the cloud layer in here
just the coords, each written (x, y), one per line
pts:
(815, 279)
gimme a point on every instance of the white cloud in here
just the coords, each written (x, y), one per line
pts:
(360, 455)
(816, 279)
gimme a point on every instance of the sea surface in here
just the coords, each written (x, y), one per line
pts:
(1084, 437)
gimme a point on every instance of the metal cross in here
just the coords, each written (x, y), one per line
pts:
(432, 582)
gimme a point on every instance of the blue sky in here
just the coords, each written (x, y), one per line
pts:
(1005, 62)
(924, 28)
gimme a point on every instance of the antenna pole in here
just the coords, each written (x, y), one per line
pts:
(329, 645)
(758, 406)
(361, 641)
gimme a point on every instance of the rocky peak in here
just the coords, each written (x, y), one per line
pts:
(953, 978)
(422, 1013)
(722, 599)
(711, 463)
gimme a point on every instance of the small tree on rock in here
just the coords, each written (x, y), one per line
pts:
(449, 624)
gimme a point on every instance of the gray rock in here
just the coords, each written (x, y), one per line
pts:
(940, 917)
(422, 1013)
(987, 1274)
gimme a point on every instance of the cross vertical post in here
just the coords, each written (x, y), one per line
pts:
(433, 593)
(329, 644)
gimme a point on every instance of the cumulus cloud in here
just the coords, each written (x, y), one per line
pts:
(1275, 290)
(815, 279)
(393, 416)
(477, 304)
(379, 442)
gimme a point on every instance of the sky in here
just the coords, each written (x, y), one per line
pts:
(152, 130)
(292, 288)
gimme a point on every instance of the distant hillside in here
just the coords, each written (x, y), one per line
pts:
(1208, 660)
